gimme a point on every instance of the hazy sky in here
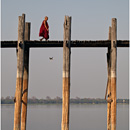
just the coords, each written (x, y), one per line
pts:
(90, 21)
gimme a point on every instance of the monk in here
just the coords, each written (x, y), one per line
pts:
(44, 30)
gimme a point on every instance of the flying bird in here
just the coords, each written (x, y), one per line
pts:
(51, 58)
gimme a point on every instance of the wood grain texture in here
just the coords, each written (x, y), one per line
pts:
(20, 69)
(66, 73)
(25, 79)
(109, 84)
(113, 72)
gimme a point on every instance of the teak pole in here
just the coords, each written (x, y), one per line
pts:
(20, 69)
(25, 79)
(109, 84)
(113, 72)
(66, 73)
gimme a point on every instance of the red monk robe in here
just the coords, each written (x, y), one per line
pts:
(43, 30)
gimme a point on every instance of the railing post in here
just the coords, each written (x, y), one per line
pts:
(20, 69)
(109, 84)
(66, 73)
(113, 72)
(25, 79)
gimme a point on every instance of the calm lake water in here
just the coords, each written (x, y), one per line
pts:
(82, 117)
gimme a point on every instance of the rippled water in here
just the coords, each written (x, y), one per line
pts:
(82, 117)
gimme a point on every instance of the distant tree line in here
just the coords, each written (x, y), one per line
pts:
(58, 100)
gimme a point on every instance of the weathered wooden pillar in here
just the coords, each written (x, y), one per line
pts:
(66, 73)
(25, 79)
(113, 72)
(109, 84)
(20, 69)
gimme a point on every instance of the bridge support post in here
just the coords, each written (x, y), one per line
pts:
(66, 73)
(109, 84)
(25, 79)
(20, 69)
(113, 72)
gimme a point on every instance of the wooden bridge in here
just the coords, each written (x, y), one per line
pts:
(23, 46)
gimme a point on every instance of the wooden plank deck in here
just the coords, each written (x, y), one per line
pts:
(74, 43)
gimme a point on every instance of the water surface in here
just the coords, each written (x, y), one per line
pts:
(82, 117)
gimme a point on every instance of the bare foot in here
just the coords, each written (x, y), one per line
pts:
(47, 40)
(41, 39)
